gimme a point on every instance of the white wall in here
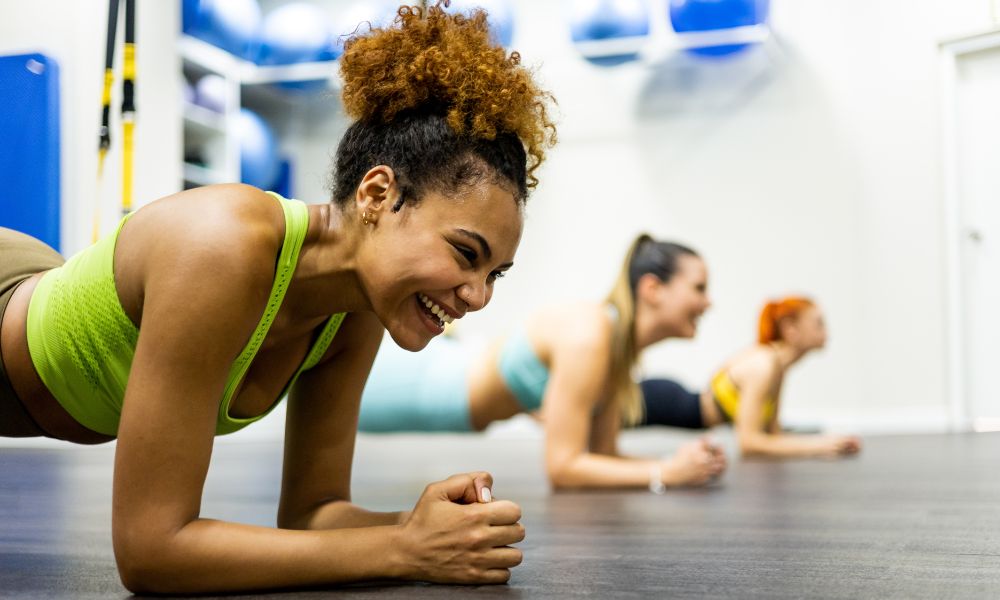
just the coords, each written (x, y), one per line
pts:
(824, 178)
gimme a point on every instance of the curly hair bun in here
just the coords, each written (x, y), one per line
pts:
(433, 61)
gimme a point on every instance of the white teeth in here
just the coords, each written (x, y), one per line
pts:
(439, 312)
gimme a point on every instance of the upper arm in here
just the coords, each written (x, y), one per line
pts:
(757, 380)
(774, 425)
(322, 420)
(197, 313)
(578, 381)
(606, 425)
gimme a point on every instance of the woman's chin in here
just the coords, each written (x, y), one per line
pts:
(687, 332)
(409, 340)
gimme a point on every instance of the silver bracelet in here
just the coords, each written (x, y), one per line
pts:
(656, 480)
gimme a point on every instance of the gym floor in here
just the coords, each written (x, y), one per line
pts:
(911, 517)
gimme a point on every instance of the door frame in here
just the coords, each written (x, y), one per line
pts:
(951, 51)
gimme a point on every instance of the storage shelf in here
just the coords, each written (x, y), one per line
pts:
(199, 118)
(211, 138)
(200, 175)
(666, 43)
(216, 60)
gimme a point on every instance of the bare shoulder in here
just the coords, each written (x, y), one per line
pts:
(229, 229)
(755, 364)
(216, 244)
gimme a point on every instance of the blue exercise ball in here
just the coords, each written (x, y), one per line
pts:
(293, 33)
(500, 15)
(210, 92)
(259, 161)
(190, 14)
(232, 25)
(189, 94)
(360, 17)
(708, 15)
(605, 20)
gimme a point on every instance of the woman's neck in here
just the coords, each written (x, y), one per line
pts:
(326, 279)
(647, 331)
(787, 354)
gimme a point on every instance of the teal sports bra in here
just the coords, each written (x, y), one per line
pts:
(522, 371)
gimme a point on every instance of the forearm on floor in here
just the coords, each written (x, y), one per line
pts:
(780, 444)
(591, 470)
(208, 556)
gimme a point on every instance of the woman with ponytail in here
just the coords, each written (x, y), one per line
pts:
(204, 308)
(746, 390)
(570, 364)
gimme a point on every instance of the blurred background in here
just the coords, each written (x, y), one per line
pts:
(842, 149)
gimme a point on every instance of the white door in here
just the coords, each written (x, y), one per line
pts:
(977, 148)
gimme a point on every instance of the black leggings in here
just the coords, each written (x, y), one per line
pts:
(669, 403)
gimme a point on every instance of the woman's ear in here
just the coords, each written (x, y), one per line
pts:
(376, 190)
(788, 328)
(647, 288)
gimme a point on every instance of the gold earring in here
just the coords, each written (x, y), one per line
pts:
(364, 218)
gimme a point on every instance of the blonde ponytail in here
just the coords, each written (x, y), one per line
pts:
(624, 354)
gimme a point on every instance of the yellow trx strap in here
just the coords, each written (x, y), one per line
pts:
(128, 109)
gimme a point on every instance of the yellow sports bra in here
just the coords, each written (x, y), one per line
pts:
(727, 396)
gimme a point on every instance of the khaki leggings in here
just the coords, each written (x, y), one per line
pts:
(21, 256)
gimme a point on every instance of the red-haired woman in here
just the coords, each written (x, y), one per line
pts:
(746, 390)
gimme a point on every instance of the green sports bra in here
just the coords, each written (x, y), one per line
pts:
(82, 343)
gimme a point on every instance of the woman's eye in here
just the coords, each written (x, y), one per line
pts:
(496, 275)
(467, 253)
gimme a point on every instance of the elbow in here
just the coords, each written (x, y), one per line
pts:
(561, 476)
(145, 567)
(752, 445)
(141, 575)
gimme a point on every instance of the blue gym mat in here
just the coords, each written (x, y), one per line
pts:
(29, 146)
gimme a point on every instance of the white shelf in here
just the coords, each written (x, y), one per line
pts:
(200, 175)
(207, 56)
(217, 60)
(201, 119)
(210, 135)
(313, 71)
(661, 43)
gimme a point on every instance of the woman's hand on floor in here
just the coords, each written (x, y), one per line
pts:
(458, 534)
(694, 463)
(841, 445)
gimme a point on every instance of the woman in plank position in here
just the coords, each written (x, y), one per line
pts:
(204, 308)
(746, 390)
(571, 364)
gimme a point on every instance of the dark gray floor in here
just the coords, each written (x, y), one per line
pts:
(912, 517)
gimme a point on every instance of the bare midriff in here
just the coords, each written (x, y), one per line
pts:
(50, 416)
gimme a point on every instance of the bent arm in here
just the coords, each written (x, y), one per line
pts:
(757, 438)
(320, 430)
(581, 448)
(162, 544)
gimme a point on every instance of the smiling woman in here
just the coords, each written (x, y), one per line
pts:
(204, 308)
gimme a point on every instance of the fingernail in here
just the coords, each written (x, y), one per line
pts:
(487, 495)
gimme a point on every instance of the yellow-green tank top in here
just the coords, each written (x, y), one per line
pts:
(82, 343)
